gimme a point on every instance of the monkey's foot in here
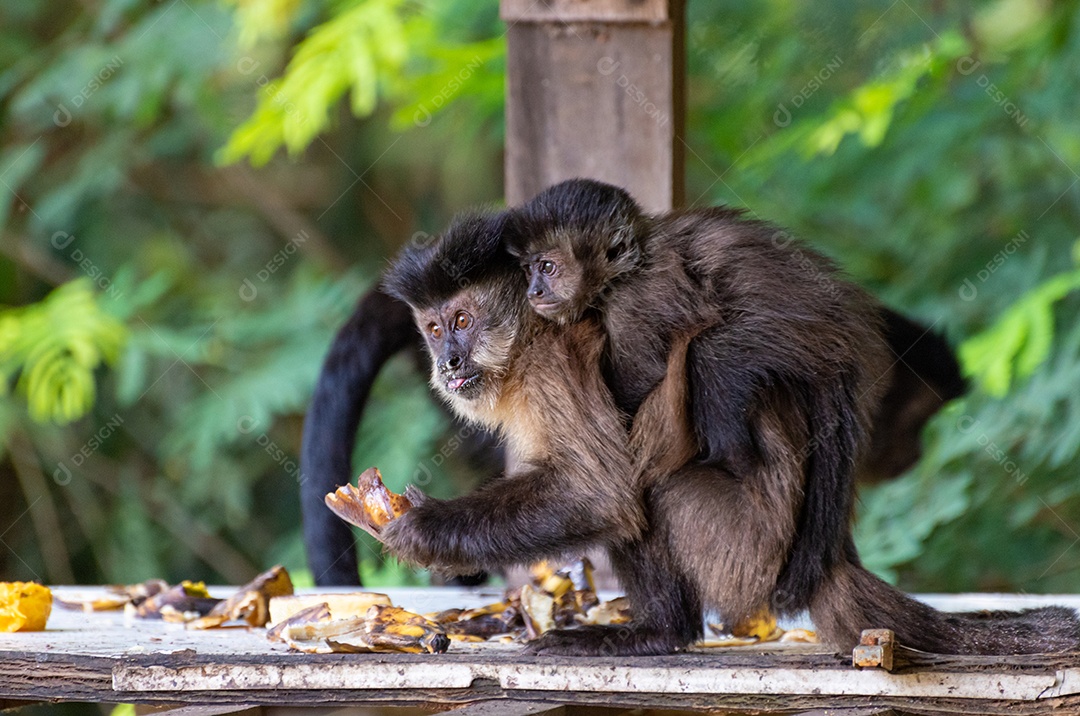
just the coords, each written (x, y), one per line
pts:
(605, 641)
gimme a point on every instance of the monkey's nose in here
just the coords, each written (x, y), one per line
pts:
(452, 363)
(536, 292)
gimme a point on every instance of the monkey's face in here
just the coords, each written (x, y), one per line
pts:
(469, 338)
(556, 286)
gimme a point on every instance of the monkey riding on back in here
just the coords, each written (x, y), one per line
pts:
(720, 525)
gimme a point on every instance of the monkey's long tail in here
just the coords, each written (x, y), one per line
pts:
(853, 599)
(379, 328)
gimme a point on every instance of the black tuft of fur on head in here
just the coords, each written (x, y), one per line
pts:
(472, 250)
(582, 209)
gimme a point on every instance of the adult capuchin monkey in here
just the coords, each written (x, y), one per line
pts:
(680, 539)
(784, 379)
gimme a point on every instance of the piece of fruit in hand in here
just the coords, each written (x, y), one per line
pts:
(368, 504)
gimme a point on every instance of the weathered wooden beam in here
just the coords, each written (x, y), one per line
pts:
(509, 707)
(595, 88)
(198, 710)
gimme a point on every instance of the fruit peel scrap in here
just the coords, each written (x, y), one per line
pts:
(24, 606)
(250, 603)
(368, 504)
(382, 629)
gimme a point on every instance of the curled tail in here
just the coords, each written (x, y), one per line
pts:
(853, 599)
(379, 328)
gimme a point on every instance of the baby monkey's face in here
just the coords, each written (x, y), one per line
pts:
(556, 286)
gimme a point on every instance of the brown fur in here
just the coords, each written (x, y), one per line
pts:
(661, 439)
(784, 376)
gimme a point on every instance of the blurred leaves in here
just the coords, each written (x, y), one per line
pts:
(52, 348)
(368, 49)
(352, 52)
(260, 20)
(224, 286)
(1020, 340)
(868, 110)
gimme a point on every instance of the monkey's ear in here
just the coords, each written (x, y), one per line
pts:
(623, 246)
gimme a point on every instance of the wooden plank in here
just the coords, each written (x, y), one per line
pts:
(200, 710)
(379, 710)
(538, 675)
(597, 100)
(647, 11)
(101, 658)
(509, 707)
(872, 711)
(54, 682)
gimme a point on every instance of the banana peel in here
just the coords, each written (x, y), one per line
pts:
(762, 626)
(758, 629)
(341, 606)
(393, 629)
(368, 504)
(314, 614)
(251, 603)
(481, 623)
(538, 611)
(615, 611)
(182, 603)
(382, 629)
(118, 596)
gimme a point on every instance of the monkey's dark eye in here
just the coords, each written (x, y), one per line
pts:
(435, 331)
(462, 321)
(547, 267)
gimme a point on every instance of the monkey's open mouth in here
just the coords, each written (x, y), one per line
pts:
(456, 384)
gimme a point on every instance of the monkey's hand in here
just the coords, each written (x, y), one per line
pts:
(426, 537)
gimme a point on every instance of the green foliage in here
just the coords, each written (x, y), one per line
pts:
(225, 287)
(367, 48)
(1020, 341)
(868, 110)
(52, 348)
(350, 52)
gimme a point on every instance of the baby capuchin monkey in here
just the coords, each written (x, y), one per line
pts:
(783, 375)
(574, 484)
(783, 340)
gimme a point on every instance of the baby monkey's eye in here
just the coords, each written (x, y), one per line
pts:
(547, 267)
(462, 321)
(435, 331)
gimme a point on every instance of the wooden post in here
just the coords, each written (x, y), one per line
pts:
(595, 89)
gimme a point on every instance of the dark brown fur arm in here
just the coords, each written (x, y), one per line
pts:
(516, 519)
